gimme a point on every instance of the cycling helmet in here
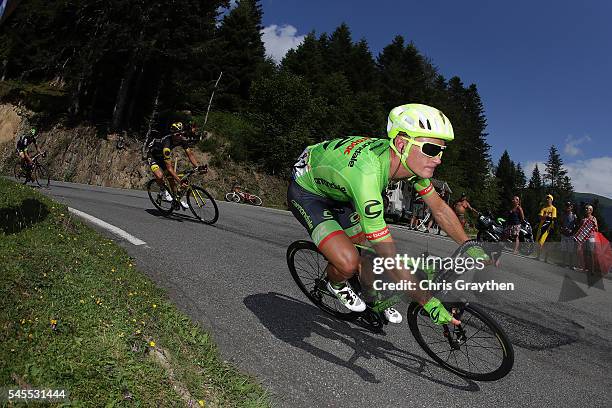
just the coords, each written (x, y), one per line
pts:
(417, 120)
(33, 131)
(176, 127)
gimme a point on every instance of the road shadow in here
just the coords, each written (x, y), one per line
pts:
(175, 216)
(28, 213)
(294, 322)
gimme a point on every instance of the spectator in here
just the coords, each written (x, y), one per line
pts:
(513, 222)
(585, 237)
(548, 215)
(568, 225)
(418, 211)
(461, 206)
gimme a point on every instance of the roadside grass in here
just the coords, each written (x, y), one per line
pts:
(76, 314)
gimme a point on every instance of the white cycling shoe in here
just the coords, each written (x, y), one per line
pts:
(165, 196)
(347, 296)
(393, 316)
(184, 204)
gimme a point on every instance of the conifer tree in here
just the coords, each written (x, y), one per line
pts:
(241, 52)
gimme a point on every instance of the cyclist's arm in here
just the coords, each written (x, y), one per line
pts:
(446, 218)
(191, 157)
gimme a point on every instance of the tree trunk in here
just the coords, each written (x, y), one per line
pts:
(4, 67)
(122, 96)
(134, 99)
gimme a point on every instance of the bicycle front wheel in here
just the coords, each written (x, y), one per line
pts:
(232, 197)
(202, 205)
(159, 198)
(307, 266)
(477, 349)
(41, 176)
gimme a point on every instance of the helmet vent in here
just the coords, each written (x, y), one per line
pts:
(421, 124)
(428, 125)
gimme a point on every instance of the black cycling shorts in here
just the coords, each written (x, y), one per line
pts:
(323, 217)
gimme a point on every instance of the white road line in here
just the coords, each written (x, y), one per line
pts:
(103, 224)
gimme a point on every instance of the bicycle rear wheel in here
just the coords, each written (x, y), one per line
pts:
(41, 176)
(20, 173)
(202, 205)
(256, 200)
(156, 195)
(478, 349)
(307, 266)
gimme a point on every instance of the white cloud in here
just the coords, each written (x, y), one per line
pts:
(572, 143)
(592, 175)
(588, 176)
(530, 165)
(279, 40)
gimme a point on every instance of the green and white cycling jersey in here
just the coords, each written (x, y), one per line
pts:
(353, 169)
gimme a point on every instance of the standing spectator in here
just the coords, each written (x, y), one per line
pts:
(461, 206)
(513, 223)
(418, 211)
(568, 225)
(585, 237)
(548, 215)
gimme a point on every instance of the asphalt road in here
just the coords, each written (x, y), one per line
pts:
(233, 279)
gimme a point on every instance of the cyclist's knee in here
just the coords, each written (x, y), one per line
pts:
(347, 263)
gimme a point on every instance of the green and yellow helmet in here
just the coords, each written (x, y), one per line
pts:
(417, 120)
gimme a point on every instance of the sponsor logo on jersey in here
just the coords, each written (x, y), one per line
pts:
(426, 190)
(357, 153)
(372, 236)
(355, 143)
(329, 184)
(369, 209)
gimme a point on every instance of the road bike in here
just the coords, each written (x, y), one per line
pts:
(242, 196)
(199, 201)
(477, 349)
(38, 174)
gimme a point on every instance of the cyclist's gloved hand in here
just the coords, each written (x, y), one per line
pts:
(477, 252)
(437, 312)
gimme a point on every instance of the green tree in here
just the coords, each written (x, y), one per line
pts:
(288, 116)
(241, 52)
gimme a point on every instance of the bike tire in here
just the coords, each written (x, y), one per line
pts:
(232, 197)
(164, 207)
(307, 266)
(41, 176)
(202, 205)
(20, 174)
(474, 318)
(256, 200)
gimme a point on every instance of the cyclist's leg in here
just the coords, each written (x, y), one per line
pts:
(157, 168)
(316, 214)
(349, 220)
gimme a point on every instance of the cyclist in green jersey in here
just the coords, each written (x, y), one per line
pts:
(336, 194)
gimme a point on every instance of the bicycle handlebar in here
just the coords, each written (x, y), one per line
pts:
(493, 249)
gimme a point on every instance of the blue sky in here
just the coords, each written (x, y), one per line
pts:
(542, 67)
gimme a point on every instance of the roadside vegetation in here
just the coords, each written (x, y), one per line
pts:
(76, 314)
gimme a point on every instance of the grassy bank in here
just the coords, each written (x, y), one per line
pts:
(76, 314)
